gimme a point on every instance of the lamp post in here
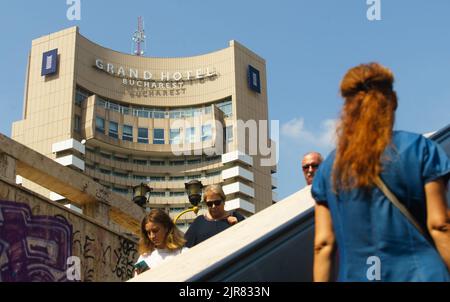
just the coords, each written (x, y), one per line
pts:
(141, 195)
(194, 192)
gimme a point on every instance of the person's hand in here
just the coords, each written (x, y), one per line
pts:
(232, 220)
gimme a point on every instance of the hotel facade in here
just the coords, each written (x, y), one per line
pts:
(125, 119)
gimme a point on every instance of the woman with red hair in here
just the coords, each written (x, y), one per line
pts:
(381, 194)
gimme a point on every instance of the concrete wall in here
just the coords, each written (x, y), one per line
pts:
(37, 236)
(41, 240)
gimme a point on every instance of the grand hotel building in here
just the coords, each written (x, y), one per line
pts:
(125, 119)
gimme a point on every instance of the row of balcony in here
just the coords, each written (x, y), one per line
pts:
(163, 184)
(144, 166)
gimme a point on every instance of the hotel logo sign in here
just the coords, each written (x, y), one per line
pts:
(49, 62)
(254, 81)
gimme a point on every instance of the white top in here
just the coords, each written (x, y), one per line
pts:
(159, 255)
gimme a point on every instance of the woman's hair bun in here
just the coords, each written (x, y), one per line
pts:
(366, 77)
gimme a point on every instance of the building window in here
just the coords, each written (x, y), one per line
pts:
(157, 163)
(177, 163)
(158, 194)
(208, 109)
(228, 134)
(228, 138)
(158, 136)
(104, 155)
(194, 177)
(142, 162)
(77, 125)
(213, 174)
(177, 178)
(121, 159)
(104, 171)
(127, 133)
(226, 108)
(197, 111)
(140, 177)
(190, 135)
(157, 178)
(113, 129)
(159, 113)
(122, 175)
(177, 210)
(175, 136)
(174, 114)
(91, 167)
(213, 158)
(102, 103)
(143, 135)
(187, 112)
(141, 113)
(206, 133)
(90, 150)
(194, 161)
(100, 124)
(177, 194)
(80, 96)
(114, 107)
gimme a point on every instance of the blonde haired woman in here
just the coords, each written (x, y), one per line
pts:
(215, 220)
(160, 240)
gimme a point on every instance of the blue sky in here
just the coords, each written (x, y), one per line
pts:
(308, 45)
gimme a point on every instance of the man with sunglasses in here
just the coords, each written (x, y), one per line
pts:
(214, 221)
(310, 164)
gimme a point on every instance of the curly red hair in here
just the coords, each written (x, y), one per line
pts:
(365, 128)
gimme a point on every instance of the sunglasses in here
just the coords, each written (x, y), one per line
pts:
(306, 167)
(215, 202)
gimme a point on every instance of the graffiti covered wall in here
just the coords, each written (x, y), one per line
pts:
(38, 239)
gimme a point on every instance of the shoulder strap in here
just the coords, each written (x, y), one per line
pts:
(382, 186)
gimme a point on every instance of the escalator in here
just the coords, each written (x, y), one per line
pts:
(275, 244)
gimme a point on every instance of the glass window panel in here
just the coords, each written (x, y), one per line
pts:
(77, 121)
(127, 133)
(175, 136)
(157, 163)
(206, 133)
(190, 135)
(140, 162)
(143, 135)
(113, 129)
(100, 124)
(229, 134)
(158, 136)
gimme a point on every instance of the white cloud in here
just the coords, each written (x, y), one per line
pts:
(324, 137)
(293, 128)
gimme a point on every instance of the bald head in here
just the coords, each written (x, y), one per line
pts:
(310, 164)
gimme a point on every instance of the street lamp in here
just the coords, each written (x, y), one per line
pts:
(194, 192)
(141, 194)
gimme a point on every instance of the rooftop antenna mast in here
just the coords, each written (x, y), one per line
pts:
(139, 38)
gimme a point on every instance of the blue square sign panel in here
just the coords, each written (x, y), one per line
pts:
(254, 82)
(49, 62)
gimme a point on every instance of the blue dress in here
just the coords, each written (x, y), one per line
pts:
(368, 224)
